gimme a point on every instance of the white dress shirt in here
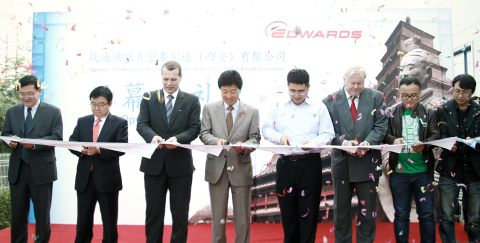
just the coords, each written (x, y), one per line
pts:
(350, 98)
(234, 111)
(34, 109)
(307, 121)
(175, 94)
(101, 123)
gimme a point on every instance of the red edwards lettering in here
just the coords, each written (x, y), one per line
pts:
(332, 32)
(280, 33)
(291, 36)
(343, 36)
(306, 33)
(356, 34)
(319, 34)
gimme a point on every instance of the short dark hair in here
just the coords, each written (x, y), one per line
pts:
(298, 76)
(466, 82)
(172, 65)
(410, 80)
(102, 91)
(230, 77)
(29, 80)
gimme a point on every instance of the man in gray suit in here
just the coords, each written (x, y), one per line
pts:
(358, 121)
(32, 168)
(230, 121)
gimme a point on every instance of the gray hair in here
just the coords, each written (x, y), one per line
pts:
(172, 65)
(355, 69)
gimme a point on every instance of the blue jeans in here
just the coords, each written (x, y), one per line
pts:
(449, 200)
(403, 185)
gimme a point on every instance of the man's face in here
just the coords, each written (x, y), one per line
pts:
(29, 95)
(298, 92)
(412, 66)
(230, 94)
(354, 84)
(171, 80)
(100, 106)
(410, 96)
(462, 96)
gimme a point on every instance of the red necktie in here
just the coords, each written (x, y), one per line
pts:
(96, 129)
(353, 109)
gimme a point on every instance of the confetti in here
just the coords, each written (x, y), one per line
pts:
(222, 221)
(400, 53)
(362, 202)
(142, 20)
(283, 193)
(373, 111)
(371, 176)
(374, 214)
(73, 27)
(43, 26)
(450, 90)
(30, 4)
(448, 56)
(359, 117)
(384, 83)
(400, 233)
(338, 96)
(426, 161)
(323, 82)
(364, 211)
(476, 32)
(128, 17)
(451, 173)
(273, 124)
(129, 11)
(410, 160)
(356, 139)
(391, 114)
(239, 136)
(166, 12)
(308, 211)
(423, 199)
(69, 9)
(395, 98)
(359, 223)
(462, 185)
(423, 189)
(374, 160)
(442, 122)
(343, 136)
(332, 229)
(336, 121)
(453, 205)
(292, 116)
(390, 172)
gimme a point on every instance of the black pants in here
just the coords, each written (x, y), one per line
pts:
(155, 193)
(41, 195)
(87, 200)
(299, 185)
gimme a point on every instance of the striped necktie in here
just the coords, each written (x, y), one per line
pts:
(169, 107)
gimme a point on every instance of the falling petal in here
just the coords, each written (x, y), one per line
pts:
(303, 193)
(452, 174)
(343, 135)
(239, 136)
(166, 12)
(359, 223)
(423, 189)
(129, 11)
(362, 202)
(373, 111)
(371, 176)
(423, 199)
(308, 211)
(43, 26)
(30, 4)
(69, 9)
(364, 211)
(73, 27)
(359, 117)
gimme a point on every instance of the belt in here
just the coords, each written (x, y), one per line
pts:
(23, 162)
(299, 157)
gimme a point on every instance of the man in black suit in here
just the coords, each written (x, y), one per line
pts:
(174, 115)
(32, 168)
(98, 171)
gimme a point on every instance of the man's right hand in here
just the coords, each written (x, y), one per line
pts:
(222, 141)
(285, 140)
(454, 148)
(158, 139)
(350, 143)
(398, 141)
(13, 144)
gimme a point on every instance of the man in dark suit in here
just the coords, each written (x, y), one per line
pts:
(32, 168)
(98, 171)
(357, 119)
(174, 115)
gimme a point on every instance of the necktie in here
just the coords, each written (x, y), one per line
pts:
(169, 107)
(353, 109)
(28, 122)
(229, 119)
(96, 129)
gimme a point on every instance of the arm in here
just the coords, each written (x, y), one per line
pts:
(434, 129)
(443, 127)
(193, 130)
(206, 135)
(7, 128)
(57, 132)
(338, 139)
(253, 133)
(268, 129)
(121, 137)
(377, 134)
(325, 127)
(76, 137)
(143, 121)
(389, 138)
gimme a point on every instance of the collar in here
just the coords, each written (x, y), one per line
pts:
(458, 108)
(102, 118)
(175, 94)
(349, 96)
(235, 106)
(306, 101)
(34, 108)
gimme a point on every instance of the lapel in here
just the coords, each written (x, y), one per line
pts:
(106, 127)
(472, 113)
(89, 128)
(452, 115)
(38, 116)
(176, 108)
(20, 115)
(345, 113)
(160, 105)
(241, 114)
(364, 109)
(220, 112)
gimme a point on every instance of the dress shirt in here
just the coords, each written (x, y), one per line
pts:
(234, 111)
(307, 121)
(100, 124)
(350, 98)
(175, 94)
(34, 109)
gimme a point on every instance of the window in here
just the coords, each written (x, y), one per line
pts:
(463, 60)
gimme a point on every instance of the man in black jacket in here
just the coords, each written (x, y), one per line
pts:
(412, 122)
(460, 166)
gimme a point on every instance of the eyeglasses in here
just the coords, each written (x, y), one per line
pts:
(406, 97)
(299, 93)
(101, 105)
(458, 93)
(29, 95)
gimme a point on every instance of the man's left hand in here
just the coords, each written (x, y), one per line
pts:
(171, 140)
(93, 150)
(239, 149)
(361, 151)
(305, 142)
(27, 145)
(418, 148)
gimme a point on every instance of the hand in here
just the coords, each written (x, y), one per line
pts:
(222, 141)
(239, 149)
(350, 143)
(84, 151)
(13, 144)
(398, 141)
(158, 139)
(27, 145)
(418, 148)
(171, 140)
(468, 138)
(361, 151)
(305, 142)
(454, 148)
(93, 150)
(285, 140)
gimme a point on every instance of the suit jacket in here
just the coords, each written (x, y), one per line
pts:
(106, 167)
(46, 124)
(448, 115)
(370, 128)
(246, 129)
(184, 125)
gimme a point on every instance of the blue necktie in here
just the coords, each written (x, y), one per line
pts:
(28, 122)
(169, 107)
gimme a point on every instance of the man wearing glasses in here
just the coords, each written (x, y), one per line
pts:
(460, 167)
(98, 176)
(299, 121)
(412, 122)
(32, 168)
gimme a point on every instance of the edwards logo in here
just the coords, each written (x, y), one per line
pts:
(279, 29)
